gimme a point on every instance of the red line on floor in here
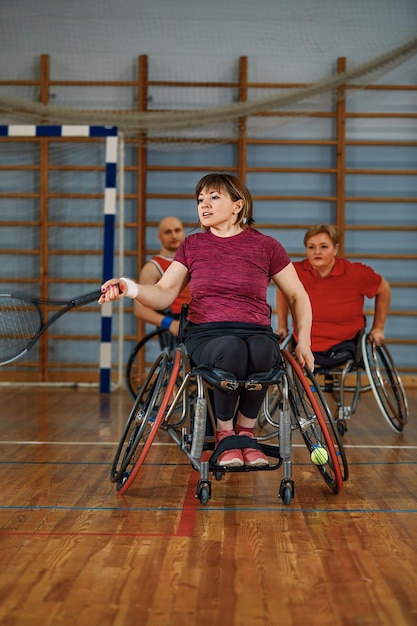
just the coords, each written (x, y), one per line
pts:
(189, 509)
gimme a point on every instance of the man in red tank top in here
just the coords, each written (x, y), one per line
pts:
(170, 234)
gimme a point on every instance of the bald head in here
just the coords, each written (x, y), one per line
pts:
(170, 234)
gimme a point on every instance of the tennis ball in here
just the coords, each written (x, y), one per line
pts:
(319, 456)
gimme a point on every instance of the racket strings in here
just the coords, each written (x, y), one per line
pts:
(20, 322)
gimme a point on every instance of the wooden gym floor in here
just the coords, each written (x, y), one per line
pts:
(75, 553)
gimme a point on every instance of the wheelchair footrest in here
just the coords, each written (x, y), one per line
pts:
(220, 470)
(241, 442)
(232, 442)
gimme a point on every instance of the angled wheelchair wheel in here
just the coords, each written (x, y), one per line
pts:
(332, 427)
(385, 383)
(143, 423)
(180, 392)
(144, 354)
(274, 402)
(269, 412)
(308, 419)
(141, 417)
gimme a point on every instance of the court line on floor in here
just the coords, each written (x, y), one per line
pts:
(205, 509)
(172, 444)
(306, 463)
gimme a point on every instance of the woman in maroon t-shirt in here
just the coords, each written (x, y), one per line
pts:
(229, 266)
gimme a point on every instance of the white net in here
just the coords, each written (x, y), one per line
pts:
(195, 89)
(50, 240)
(53, 233)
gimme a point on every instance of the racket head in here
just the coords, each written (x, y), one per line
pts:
(20, 324)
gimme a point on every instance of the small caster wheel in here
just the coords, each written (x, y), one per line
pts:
(204, 495)
(341, 427)
(203, 491)
(286, 490)
(218, 475)
(287, 495)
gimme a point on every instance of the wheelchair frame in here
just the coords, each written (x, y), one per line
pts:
(176, 398)
(383, 379)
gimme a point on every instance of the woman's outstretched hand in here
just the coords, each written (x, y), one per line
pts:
(112, 290)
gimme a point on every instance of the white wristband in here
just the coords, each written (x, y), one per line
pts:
(132, 288)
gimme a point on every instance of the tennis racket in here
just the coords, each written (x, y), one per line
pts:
(21, 321)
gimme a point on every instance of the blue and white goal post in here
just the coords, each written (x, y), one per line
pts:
(110, 133)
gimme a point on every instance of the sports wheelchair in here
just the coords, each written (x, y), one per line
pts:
(342, 372)
(177, 398)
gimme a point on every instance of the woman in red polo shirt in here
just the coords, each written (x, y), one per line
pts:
(337, 289)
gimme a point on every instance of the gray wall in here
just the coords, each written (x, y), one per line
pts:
(285, 40)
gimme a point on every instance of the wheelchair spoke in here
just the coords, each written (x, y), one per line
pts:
(308, 419)
(330, 423)
(143, 356)
(386, 384)
(141, 421)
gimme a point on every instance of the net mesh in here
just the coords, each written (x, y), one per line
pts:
(52, 238)
(196, 96)
(47, 241)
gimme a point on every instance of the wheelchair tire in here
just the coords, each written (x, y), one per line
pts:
(332, 426)
(144, 421)
(144, 352)
(385, 383)
(307, 418)
(286, 495)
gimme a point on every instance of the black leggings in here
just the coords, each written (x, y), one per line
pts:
(242, 357)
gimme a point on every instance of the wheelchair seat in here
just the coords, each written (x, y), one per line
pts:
(228, 380)
(340, 354)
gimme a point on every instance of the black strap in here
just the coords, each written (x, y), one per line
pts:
(232, 442)
(227, 380)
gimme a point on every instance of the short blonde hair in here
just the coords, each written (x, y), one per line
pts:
(322, 228)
